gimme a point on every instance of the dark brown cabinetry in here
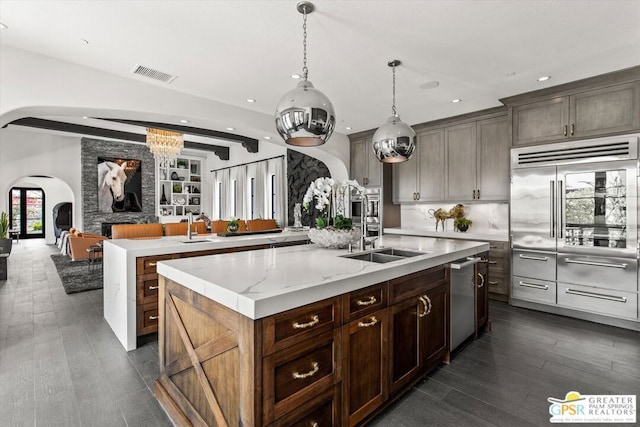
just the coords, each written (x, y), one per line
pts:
(482, 293)
(419, 325)
(334, 362)
(499, 270)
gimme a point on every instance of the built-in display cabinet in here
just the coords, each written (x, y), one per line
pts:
(180, 187)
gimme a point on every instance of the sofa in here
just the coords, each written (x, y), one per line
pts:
(79, 242)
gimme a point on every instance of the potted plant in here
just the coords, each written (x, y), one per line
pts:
(462, 224)
(5, 243)
(233, 225)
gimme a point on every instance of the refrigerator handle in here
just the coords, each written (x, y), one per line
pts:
(552, 213)
(560, 210)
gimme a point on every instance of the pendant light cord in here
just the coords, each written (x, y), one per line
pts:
(393, 108)
(305, 70)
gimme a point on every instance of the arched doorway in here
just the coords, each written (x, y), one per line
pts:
(26, 212)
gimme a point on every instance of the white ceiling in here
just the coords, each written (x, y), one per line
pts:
(229, 51)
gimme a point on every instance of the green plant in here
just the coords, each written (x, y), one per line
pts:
(4, 225)
(177, 188)
(342, 223)
(462, 221)
(233, 222)
(37, 225)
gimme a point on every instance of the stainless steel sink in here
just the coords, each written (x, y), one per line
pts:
(383, 255)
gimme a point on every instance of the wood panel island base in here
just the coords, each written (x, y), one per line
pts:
(330, 350)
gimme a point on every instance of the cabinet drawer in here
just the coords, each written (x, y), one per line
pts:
(612, 273)
(365, 301)
(534, 290)
(147, 318)
(323, 410)
(295, 375)
(416, 283)
(498, 248)
(535, 265)
(147, 288)
(148, 264)
(598, 300)
(497, 284)
(284, 329)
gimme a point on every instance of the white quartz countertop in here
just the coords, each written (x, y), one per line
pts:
(178, 244)
(265, 282)
(497, 236)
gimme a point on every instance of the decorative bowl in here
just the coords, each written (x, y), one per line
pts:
(334, 239)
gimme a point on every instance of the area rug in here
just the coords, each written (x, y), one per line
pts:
(76, 276)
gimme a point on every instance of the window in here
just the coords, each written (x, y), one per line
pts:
(272, 185)
(234, 198)
(252, 195)
(219, 200)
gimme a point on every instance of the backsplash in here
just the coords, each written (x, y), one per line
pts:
(486, 217)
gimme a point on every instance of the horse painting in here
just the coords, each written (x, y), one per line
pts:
(111, 179)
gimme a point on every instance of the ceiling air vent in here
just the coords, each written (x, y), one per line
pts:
(141, 70)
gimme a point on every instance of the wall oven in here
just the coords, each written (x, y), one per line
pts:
(574, 225)
(371, 207)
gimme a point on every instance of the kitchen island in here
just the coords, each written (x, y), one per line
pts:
(130, 279)
(301, 335)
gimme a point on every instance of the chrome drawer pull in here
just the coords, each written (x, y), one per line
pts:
(313, 424)
(152, 264)
(493, 282)
(533, 285)
(430, 306)
(534, 258)
(153, 287)
(369, 301)
(594, 263)
(481, 280)
(312, 372)
(594, 295)
(493, 262)
(368, 324)
(154, 317)
(314, 321)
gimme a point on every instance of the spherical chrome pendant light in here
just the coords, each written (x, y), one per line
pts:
(394, 141)
(304, 115)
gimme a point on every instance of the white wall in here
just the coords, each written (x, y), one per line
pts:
(26, 153)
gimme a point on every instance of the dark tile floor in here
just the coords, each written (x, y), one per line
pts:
(61, 365)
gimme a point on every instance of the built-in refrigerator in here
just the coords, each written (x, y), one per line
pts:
(574, 228)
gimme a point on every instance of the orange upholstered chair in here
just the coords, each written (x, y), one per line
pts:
(220, 226)
(180, 228)
(80, 242)
(261, 224)
(131, 231)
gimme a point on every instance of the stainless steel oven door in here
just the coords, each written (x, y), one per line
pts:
(597, 208)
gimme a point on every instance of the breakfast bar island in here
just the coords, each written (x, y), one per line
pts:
(302, 335)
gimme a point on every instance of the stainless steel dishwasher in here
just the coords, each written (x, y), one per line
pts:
(463, 303)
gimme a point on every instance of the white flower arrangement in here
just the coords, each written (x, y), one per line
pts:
(329, 193)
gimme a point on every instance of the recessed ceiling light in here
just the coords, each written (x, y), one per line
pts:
(85, 117)
(348, 128)
(295, 76)
(184, 121)
(230, 128)
(267, 137)
(543, 78)
(3, 27)
(251, 100)
(455, 101)
(429, 85)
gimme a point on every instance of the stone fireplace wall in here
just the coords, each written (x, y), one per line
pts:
(91, 149)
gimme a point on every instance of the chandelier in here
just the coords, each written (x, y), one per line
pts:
(304, 115)
(165, 145)
(394, 141)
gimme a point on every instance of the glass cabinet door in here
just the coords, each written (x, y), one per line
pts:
(598, 207)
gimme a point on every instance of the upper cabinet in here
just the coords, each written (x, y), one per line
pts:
(462, 162)
(365, 168)
(578, 113)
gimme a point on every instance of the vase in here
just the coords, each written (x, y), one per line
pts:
(232, 228)
(334, 239)
(463, 227)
